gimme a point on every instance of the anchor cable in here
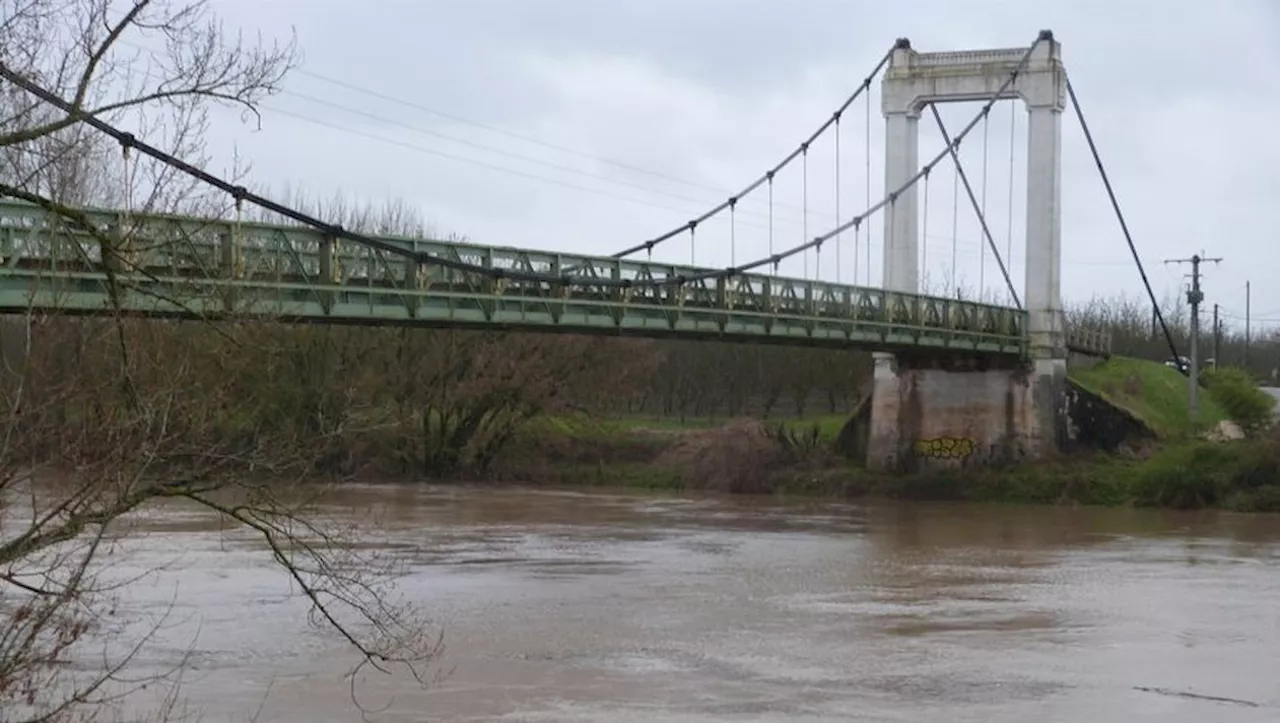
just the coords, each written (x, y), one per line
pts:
(982, 216)
(1124, 227)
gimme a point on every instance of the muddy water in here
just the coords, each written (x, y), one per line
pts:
(601, 607)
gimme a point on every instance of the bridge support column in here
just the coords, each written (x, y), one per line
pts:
(1045, 96)
(947, 410)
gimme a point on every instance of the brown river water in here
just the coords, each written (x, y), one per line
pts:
(584, 606)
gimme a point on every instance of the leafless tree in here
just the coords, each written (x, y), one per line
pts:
(153, 66)
(99, 420)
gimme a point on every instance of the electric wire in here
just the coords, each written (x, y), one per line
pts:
(513, 134)
(472, 161)
(531, 176)
(483, 147)
(474, 123)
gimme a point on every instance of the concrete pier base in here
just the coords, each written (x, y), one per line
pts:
(927, 414)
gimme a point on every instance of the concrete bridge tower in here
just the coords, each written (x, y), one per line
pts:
(926, 410)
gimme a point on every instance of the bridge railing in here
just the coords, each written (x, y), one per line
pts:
(1089, 342)
(208, 254)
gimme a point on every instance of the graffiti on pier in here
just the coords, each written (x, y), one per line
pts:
(946, 447)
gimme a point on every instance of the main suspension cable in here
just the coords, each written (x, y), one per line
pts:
(1124, 227)
(864, 87)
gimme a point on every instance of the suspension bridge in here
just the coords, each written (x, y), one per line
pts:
(110, 261)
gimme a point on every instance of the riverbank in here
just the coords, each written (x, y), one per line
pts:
(796, 457)
(1155, 455)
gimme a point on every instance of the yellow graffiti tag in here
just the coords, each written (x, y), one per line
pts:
(946, 447)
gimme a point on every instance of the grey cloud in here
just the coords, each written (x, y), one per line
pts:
(1180, 94)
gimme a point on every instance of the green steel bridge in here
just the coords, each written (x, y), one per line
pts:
(198, 268)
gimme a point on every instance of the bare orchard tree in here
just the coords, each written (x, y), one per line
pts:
(102, 420)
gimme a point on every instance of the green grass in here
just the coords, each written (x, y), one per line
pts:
(582, 426)
(1150, 391)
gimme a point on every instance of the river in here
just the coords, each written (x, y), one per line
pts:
(573, 606)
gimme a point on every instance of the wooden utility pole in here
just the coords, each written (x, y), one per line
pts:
(1247, 324)
(1194, 297)
(1217, 337)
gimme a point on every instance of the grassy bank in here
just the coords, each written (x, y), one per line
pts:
(1151, 392)
(795, 456)
(750, 457)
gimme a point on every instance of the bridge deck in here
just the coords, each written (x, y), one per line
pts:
(191, 267)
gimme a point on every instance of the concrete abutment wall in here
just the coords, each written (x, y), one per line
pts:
(927, 414)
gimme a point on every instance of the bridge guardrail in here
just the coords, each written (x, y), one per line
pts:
(1090, 342)
(303, 266)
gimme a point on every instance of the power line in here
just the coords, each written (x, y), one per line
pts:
(730, 203)
(493, 149)
(240, 193)
(481, 146)
(482, 164)
(518, 136)
(1268, 319)
(465, 121)
(509, 133)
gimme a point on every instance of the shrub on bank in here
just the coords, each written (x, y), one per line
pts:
(1235, 391)
(1242, 475)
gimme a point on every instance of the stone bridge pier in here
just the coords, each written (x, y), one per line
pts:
(946, 410)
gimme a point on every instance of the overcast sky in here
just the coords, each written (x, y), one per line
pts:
(591, 125)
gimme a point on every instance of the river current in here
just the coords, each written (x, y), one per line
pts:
(584, 606)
